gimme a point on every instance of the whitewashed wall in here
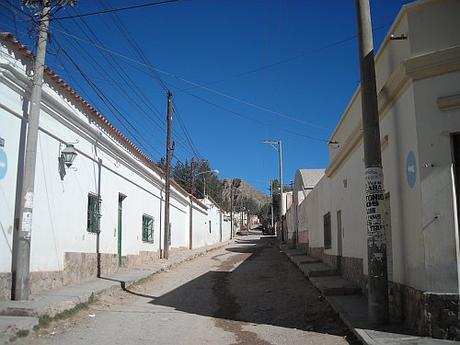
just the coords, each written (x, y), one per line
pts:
(422, 239)
(60, 207)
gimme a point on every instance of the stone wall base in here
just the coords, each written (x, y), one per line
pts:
(79, 267)
(5, 286)
(424, 313)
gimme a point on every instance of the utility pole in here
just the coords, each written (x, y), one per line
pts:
(167, 176)
(271, 197)
(376, 242)
(280, 156)
(23, 222)
(192, 190)
(231, 211)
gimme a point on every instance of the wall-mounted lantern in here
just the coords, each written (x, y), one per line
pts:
(66, 158)
(68, 155)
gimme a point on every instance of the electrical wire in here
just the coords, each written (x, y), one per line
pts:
(259, 107)
(118, 115)
(150, 4)
(126, 79)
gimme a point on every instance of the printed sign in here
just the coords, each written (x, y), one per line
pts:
(3, 164)
(411, 169)
(375, 211)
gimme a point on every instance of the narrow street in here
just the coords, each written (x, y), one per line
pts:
(246, 293)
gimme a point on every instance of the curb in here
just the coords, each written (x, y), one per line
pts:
(361, 336)
(16, 315)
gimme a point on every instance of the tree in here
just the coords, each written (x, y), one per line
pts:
(265, 215)
(201, 174)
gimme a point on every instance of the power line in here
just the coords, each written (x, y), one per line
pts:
(196, 84)
(217, 105)
(252, 119)
(132, 86)
(134, 45)
(109, 104)
(150, 4)
(286, 60)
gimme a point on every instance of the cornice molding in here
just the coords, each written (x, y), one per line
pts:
(419, 67)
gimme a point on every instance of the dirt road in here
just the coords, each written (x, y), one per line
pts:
(247, 293)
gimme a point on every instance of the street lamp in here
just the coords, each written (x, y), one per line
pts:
(192, 189)
(68, 154)
(214, 171)
(65, 159)
(278, 146)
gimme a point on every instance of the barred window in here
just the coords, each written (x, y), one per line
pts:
(94, 215)
(327, 231)
(147, 228)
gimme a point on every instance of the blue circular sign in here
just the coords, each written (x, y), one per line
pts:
(3, 164)
(411, 169)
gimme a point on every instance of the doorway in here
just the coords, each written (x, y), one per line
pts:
(339, 241)
(121, 197)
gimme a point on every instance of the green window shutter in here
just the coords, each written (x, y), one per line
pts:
(94, 215)
(169, 234)
(147, 228)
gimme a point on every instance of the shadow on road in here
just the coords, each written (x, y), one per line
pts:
(264, 288)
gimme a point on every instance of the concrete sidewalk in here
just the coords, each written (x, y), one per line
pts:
(351, 306)
(20, 317)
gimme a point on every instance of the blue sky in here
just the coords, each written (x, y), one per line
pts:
(310, 43)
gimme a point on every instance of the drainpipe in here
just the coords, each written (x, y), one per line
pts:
(98, 241)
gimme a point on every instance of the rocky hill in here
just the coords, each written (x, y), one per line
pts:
(242, 190)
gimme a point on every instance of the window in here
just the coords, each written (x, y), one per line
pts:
(327, 230)
(169, 234)
(94, 215)
(210, 226)
(147, 228)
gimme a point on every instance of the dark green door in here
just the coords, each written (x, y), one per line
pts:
(121, 197)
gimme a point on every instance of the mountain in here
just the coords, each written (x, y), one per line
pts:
(242, 191)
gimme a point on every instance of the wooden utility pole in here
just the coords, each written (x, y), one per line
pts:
(23, 220)
(167, 176)
(376, 241)
(231, 211)
(271, 197)
(280, 157)
(192, 190)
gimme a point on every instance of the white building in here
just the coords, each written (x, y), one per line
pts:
(304, 182)
(418, 83)
(110, 179)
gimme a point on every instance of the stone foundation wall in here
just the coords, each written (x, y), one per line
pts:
(144, 258)
(5, 286)
(352, 270)
(425, 313)
(318, 252)
(303, 237)
(79, 267)
(442, 316)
